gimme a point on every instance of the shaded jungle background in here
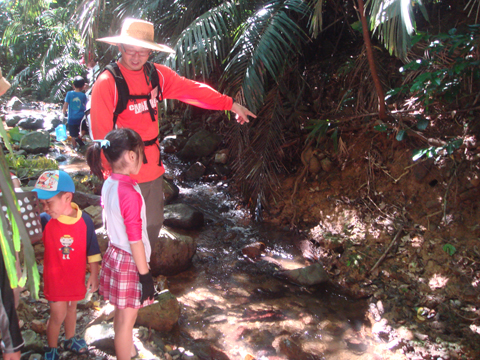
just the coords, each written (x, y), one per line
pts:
(301, 66)
(322, 158)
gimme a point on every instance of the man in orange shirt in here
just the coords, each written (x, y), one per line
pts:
(135, 44)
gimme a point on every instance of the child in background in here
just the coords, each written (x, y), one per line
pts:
(125, 278)
(69, 239)
(75, 103)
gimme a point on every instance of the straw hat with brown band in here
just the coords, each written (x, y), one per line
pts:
(137, 33)
(4, 84)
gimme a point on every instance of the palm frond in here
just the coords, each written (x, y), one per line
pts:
(258, 149)
(202, 44)
(394, 21)
(316, 22)
(50, 52)
(471, 4)
(261, 46)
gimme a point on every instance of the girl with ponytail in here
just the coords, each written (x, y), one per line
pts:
(125, 278)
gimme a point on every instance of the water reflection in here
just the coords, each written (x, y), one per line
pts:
(238, 306)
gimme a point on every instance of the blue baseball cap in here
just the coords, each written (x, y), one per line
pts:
(50, 183)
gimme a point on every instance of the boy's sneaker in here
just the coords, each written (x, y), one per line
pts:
(51, 354)
(76, 345)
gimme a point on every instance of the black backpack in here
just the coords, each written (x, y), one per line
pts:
(151, 76)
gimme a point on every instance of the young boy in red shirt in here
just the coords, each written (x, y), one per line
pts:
(70, 241)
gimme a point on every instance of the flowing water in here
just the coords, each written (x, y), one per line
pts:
(240, 307)
(237, 308)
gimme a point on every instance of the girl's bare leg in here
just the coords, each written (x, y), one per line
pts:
(12, 356)
(123, 326)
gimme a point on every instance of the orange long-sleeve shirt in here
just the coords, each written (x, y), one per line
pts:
(137, 117)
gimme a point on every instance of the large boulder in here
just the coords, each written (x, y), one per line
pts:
(162, 315)
(101, 336)
(32, 122)
(183, 216)
(171, 253)
(95, 213)
(14, 104)
(170, 190)
(196, 171)
(202, 143)
(36, 142)
(12, 119)
(173, 143)
(84, 200)
(52, 120)
(307, 276)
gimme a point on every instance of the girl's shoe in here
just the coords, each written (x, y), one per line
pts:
(76, 345)
(51, 354)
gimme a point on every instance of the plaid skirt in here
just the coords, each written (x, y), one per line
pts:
(119, 280)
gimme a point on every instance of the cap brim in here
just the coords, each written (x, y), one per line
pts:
(45, 195)
(127, 40)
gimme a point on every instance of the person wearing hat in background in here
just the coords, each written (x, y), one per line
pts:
(12, 341)
(70, 241)
(136, 43)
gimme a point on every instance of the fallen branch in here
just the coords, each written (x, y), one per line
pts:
(464, 317)
(388, 249)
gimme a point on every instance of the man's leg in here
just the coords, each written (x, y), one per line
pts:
(12, 356)
(152, 192)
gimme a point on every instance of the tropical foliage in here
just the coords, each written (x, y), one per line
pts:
(290, 61)
(43, 48)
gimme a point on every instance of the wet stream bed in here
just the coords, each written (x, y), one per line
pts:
(233, 307)
(241, 308)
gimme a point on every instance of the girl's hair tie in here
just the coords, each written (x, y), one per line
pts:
(103, 143)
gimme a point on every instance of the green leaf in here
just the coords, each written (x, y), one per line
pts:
(453, 145)
(334, 137)
(381, 127)
(16, 134)
(419, 153)
(422, 124)
(357, 26)
(449, 249)
(452, 31)
(401, 135)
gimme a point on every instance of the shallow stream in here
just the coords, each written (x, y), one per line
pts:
(236, 308)
(240, 307)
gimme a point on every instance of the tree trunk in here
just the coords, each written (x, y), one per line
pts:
(368, 44)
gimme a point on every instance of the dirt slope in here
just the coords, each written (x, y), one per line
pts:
(372, 193)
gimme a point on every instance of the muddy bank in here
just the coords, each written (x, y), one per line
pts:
(425, 213)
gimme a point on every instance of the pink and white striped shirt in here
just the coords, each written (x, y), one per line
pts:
(124, 213)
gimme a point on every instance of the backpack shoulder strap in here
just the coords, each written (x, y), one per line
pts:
(152, 71)
(122, 90)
